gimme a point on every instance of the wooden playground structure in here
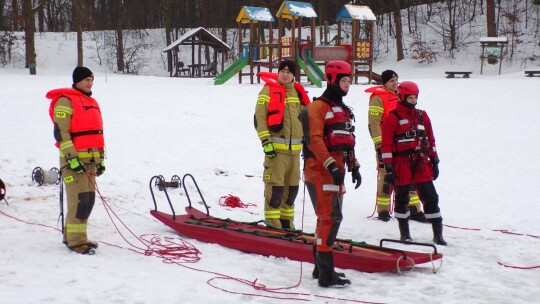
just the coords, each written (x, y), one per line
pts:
(264, 50)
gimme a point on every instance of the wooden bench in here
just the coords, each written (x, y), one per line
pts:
(532, 73)
(452, 74)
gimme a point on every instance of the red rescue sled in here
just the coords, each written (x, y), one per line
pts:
(292, 244)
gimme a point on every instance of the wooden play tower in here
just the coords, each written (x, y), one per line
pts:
(293, 13)
(257, 51)
(362, 21)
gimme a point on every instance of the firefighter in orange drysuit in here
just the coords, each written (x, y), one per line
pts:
(278, 126)
(410, 159)
(329, 147)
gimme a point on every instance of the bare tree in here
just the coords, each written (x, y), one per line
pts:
(117, 15)
(490, 18)
(29, 30)
(399, 31)
(76, 9)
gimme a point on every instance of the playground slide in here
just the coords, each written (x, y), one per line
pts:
(236, 67)
(313, 72)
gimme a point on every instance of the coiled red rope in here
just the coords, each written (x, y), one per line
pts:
(233, 202)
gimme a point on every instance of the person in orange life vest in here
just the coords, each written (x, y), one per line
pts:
(384, 99)
(328, 148)
(410, 158)
(279, 129)
(78, 131)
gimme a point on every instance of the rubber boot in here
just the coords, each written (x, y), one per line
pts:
(417, 215)
(327, 275)
(405, 235)
(437, 233)
(315, 273)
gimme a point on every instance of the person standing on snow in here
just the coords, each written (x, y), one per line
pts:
(328, 148)
(279, 128)
(410, 158)
(78, 131)
(384, 99)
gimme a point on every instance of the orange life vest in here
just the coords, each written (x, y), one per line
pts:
(389, 99)
(276, 106)
(86, 126)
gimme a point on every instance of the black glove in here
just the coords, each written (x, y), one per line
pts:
(100, 168)
(337, 175)
(390, 178)
(356, 177)
(435, 162)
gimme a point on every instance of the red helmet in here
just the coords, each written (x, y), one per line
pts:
(407, 88)
(335, 68)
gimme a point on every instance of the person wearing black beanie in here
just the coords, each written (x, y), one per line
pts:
(287, 65)
(384, 99)
(83, 80)
(388, 75)
(279, 130)
(78, 131)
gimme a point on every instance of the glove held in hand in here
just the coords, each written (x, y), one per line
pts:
(100, 168)
(337, 175)
(76, 165)
(269, 151)
(356, 177)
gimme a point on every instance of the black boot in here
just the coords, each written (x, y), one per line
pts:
(315, 273)
(405, 235)
(417, 214)
(437, 233)
(327, 276)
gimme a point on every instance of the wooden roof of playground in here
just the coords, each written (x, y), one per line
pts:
(199, 36)
(356, 12)
(290, 9)
(256, 14)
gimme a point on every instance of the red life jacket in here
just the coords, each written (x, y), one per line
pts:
(338, 129)
(276, 106)
(389, 99)
(86, 126)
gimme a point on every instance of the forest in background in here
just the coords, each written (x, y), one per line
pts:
(407, 26)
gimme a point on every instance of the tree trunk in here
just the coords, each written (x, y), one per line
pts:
(490, 16)
(29, 31)
(78, 28)
(41, 16)
(399, 31)
(119, 35)
(168, 31)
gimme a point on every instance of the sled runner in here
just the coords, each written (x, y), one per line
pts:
(255, 237)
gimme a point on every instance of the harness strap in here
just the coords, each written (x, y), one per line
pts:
(89, 132)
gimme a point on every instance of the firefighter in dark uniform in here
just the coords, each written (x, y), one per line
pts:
(78, 130)
(278, 126)
(328, 150)
(411, 160)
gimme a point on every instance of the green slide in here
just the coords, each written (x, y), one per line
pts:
(313, 72)
(236, 67)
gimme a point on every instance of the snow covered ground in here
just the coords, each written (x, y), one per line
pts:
(487, 133)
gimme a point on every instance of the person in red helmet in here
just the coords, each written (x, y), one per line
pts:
(328, 149)
(384, 99)
(410, 158)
